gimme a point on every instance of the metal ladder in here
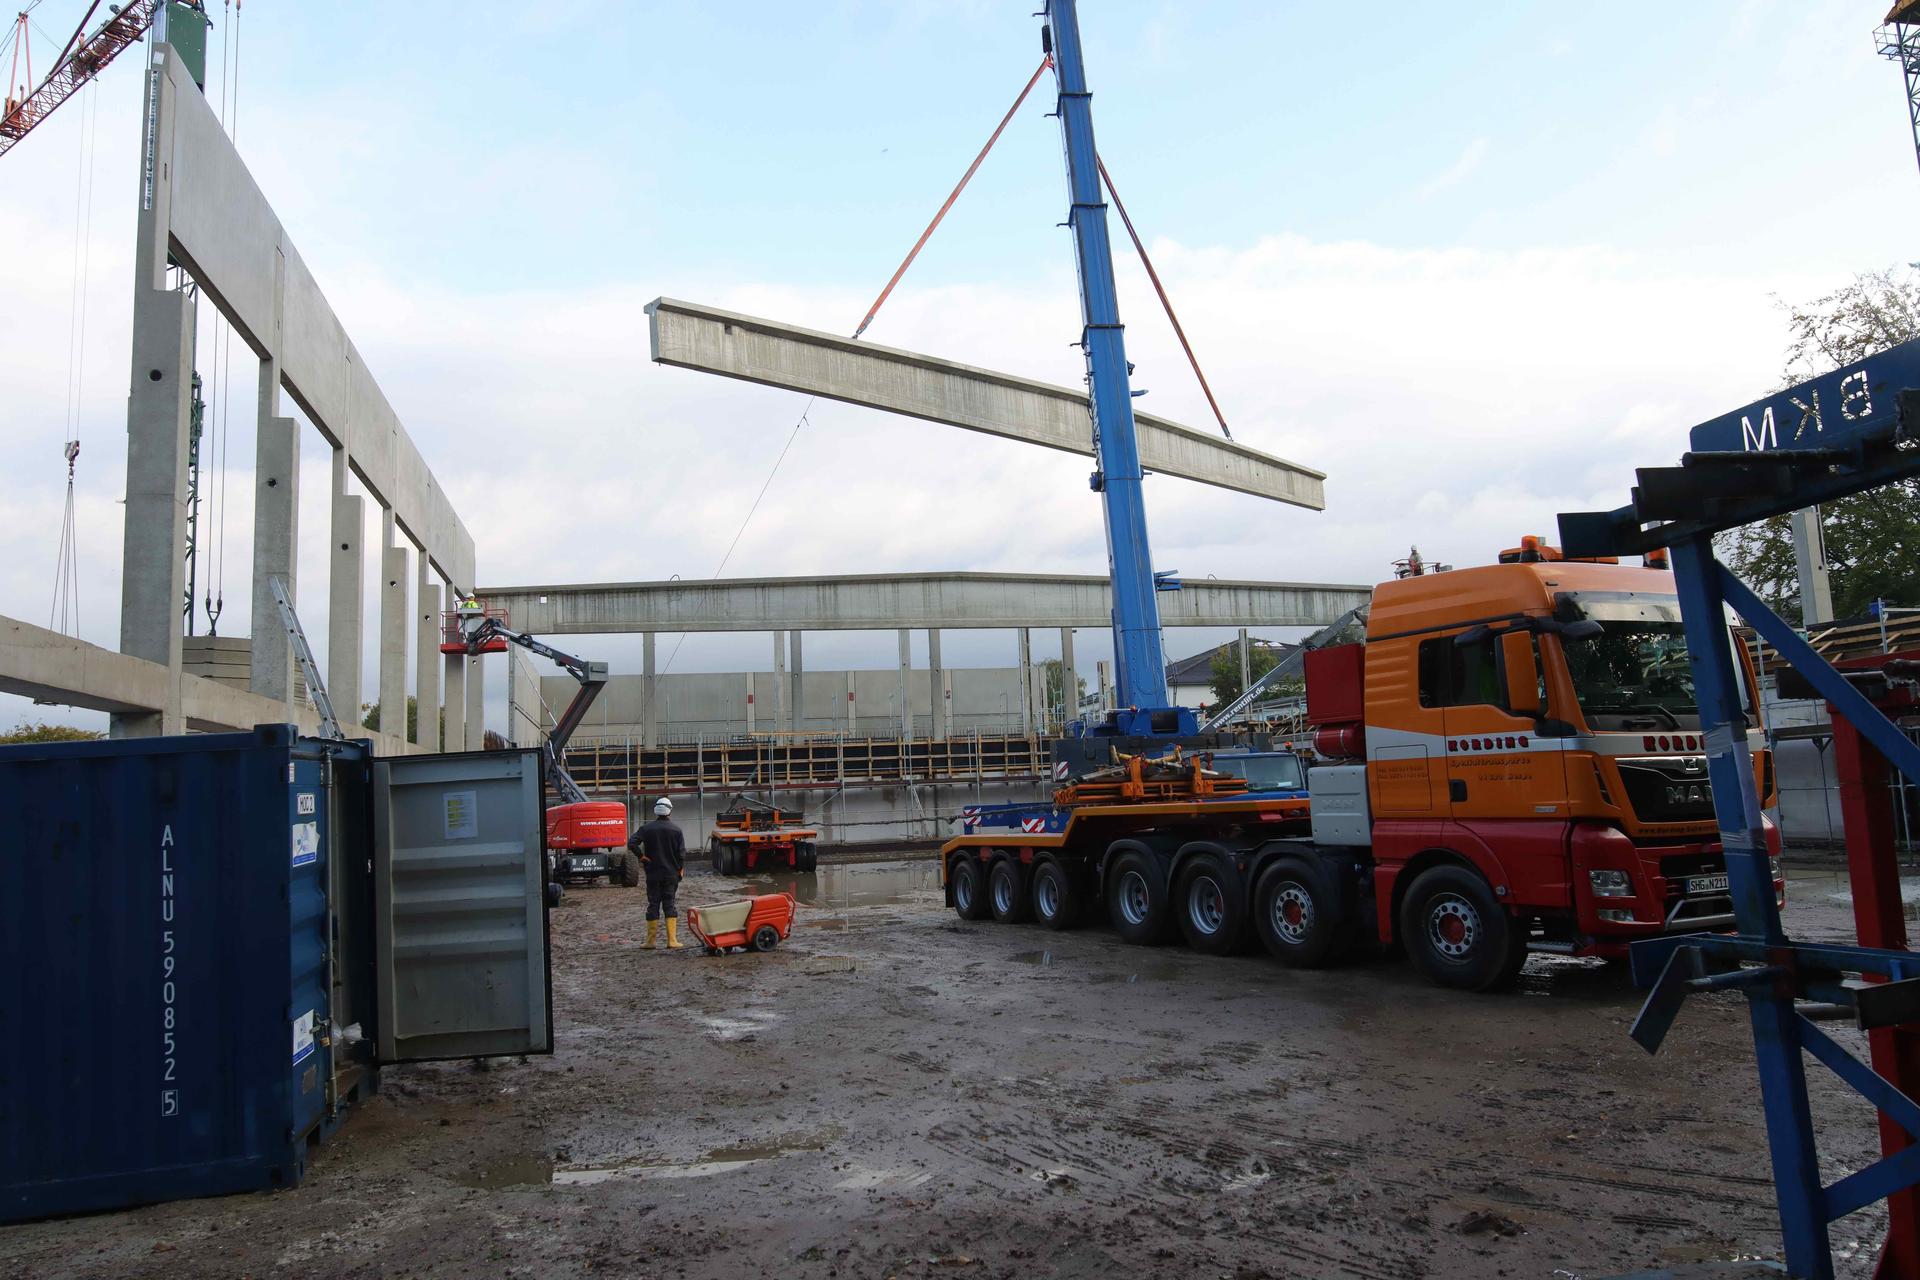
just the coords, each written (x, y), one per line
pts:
(303, 654)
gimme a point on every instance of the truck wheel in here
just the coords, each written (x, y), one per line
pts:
(766, 938)
(716, 854)
(1055, 904)
(1137, 899)
(1457, 933)
(1299, 920)
(1211, 906)
(628, 871)
(1007, 892)
(810, 857)
(554, 893)
(969, 888)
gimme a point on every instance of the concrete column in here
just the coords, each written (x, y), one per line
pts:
(1069, 679)
(345, 614)
(1810, 565)
(750, 706)
(456, 699)
(154, 580)
(906, 681)
(649, 694)
(526, 717)
(1246, 662)
(276, 537)
(426, 654)
(794, 676)
(781, 722)
(153, 575)
(1026, 680)
(1037, 696)
(393, 631)
(276, 515)
(1103, 671)
(942, 695)
(476, 704)
(853, 706)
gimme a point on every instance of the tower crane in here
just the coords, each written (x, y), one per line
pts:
(79, 62)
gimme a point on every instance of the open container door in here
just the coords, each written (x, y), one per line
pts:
(461, 943)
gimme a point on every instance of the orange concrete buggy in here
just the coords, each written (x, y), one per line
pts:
(760, 922)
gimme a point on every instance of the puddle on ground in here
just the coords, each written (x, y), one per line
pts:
(1834, 886)
(851, 884)
(521, 1171)
(719, 1160)
(1041, 958)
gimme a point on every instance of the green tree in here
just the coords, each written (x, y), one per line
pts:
(370, 718)
(1873, 539)
(1224, 675)
(44, 732)
(1052, 669)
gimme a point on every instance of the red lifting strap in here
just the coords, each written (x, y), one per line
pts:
(1154, 276)
(961, 186)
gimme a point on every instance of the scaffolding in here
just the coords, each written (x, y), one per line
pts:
(772, 762)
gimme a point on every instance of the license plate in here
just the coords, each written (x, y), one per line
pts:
(1706, 884)
(600, 864)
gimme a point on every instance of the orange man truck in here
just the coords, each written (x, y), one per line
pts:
(1512, 760)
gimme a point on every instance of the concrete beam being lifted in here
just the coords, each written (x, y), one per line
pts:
(692, 336)
(861, 602)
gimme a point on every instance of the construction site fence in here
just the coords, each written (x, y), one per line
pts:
(773, 762)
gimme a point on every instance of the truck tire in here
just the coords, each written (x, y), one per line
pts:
(1299, 918)
(969, 883)
(1137, 896)
(626, 870)
(1056, 901)
(807, 856)
(1007, 891)
(715, 854)
(1211, 904)
(1457, 933)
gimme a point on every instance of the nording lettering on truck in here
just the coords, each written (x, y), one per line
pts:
(1511, 761)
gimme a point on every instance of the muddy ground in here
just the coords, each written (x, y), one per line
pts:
(897, 1093)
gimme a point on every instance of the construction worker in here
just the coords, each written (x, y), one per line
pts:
(663, 856)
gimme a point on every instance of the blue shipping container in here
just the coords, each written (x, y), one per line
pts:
(165, 969)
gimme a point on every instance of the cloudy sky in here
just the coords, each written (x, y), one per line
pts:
(1475, 264)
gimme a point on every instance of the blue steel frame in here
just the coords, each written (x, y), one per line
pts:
(1140, 661)
(1771, 969)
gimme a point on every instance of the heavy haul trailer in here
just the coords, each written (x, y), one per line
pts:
(751, 835)
(1512, 761)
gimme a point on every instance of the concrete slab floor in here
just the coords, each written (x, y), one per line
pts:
(895, 1092)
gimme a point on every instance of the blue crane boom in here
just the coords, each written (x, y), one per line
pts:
(1140, 663)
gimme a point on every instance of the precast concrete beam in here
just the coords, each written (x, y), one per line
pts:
(691, 336)
(59, 669)
(886, 602)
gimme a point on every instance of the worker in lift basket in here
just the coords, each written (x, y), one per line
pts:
(663, 855)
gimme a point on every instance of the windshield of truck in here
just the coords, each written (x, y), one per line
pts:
(1635, 674)
(1265, 773)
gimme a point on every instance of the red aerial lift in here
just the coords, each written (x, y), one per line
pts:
(585, 838)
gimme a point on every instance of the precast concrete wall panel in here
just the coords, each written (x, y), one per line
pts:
(224, 230)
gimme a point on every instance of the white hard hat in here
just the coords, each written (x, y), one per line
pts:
(663, 806)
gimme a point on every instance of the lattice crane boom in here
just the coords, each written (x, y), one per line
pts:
(83, 59)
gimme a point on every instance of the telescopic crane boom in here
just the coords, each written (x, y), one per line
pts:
(1140, 661)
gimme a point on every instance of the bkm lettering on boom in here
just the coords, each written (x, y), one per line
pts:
(1856, 402)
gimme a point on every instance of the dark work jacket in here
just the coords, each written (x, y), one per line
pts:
(662, 848)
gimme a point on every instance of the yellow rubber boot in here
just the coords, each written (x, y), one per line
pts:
(673, 934)
(653, 931)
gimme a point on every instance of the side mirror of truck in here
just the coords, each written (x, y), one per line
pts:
(1522, 674)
